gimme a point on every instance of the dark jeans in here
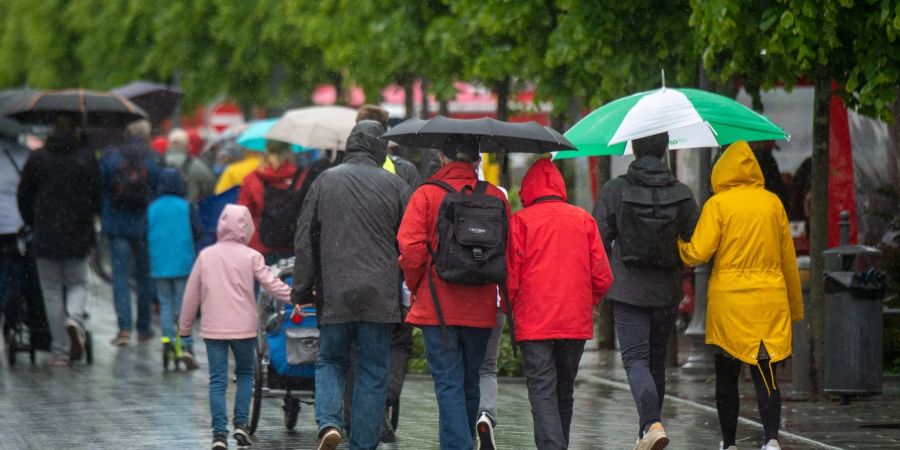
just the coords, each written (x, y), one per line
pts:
(550, 368)
(643, 334)
(455, 373)
(130, 258)
(728, 398)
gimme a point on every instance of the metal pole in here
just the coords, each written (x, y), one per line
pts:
(845, 227)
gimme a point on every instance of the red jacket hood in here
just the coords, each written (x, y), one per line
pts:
(542, 180)
(455, 171)
(283, 172)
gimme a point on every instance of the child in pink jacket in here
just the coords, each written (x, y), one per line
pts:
(220, 288)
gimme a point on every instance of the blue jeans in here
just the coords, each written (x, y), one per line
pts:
(170, 292)
(129, 258)
(643, 339)
(244, 351)
(456, 378)
(370, 367)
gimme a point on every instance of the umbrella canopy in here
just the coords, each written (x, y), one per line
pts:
(326, 127)
(254, 137)
(97, 109)
(693, 119)
(493, 135)
(10, 128)
(158, 100)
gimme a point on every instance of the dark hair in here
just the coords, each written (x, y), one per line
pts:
(654, 145)
(461, 147)
(373, 112)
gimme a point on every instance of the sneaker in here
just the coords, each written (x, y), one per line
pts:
(730, 447)
(654, 438)
(484, 439)
(242, 436)
(771, 445)
(123, 339)
(76, 339)
(189, 360)
(143, 338)
(388, 436)
(329, 438)
(58, 360)
(220, 442)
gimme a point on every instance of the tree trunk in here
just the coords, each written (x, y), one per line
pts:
(408, 100)
(424, 110)
(502, 90)
(819, 230)
(444, 108)
(338, 80)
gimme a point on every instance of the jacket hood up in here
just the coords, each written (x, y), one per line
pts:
(651, 171)
(542, 180)
(737, 167)
(171, 183)
(62, 143)
(363, 141)
(235, 224)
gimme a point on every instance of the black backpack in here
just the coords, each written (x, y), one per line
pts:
(131, 189)
(648, 226)
(281, 209)
(472, 230)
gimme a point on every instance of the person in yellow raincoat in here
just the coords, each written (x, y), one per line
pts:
(754, 289)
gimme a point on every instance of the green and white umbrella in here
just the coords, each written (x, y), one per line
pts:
(693, 119)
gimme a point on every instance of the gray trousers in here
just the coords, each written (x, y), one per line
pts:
(64, 285)
(487, 382)
(550, 368)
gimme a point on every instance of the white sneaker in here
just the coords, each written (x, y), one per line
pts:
(484, 433)
(771, 445)
(731, 447)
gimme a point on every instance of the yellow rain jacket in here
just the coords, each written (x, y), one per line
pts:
(754, 289)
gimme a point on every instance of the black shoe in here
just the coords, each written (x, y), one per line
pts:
(220, 442)
(242, 436)
(387, 430)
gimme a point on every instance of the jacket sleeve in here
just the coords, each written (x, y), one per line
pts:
(190, 304)
(604, 215)
(26, 190)
(601, 274)
(705, 240)
(515, 254)
(247, 196)
(412, 238)
(789, 270)
(306, 267)
(269, 281)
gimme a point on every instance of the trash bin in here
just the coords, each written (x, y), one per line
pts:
(854, 290)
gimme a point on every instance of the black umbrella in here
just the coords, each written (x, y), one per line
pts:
(10, 128)
(96, 109)
(158, 100)
(493, 136)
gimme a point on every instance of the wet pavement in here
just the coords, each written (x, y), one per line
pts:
(125, 401)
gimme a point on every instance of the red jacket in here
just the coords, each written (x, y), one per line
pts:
(469, 306)
(251, 196)
(558, 270)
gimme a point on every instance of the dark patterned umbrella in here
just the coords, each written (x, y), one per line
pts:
(158, 100)
(96, 109)
(493, 136)
(10, 128)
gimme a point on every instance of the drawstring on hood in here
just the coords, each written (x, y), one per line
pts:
(364, 142)
(736, 168)
(235, 224)
(543, 181)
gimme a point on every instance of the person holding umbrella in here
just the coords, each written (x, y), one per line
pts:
(754, 288)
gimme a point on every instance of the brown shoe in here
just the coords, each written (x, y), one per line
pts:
(123, 339)
(329, 439)
(654, 439)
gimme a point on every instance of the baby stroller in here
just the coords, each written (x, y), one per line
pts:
(286, 354)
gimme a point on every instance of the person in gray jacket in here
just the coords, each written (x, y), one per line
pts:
(641, 216)
(347, 253)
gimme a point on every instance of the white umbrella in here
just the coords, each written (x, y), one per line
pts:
(324, 127)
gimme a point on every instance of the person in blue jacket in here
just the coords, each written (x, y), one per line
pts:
(173, 227)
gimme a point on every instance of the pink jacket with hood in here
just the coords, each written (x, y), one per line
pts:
(221, 284)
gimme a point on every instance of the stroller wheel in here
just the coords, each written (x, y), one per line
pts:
(291, 412)
(31, 355)
(88, 347)
(10, 355)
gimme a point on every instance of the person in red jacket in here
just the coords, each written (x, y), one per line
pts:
(276, 170)
(470, 312)
(558, 272)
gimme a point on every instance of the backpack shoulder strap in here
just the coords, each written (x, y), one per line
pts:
(481, 187)
(441, 184)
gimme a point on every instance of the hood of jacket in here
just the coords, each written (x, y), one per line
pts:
(62, 143)
(235, 224)
(171, 183)
(364, 143)
(736, 168)
(284, 172)
(542, 180)
(651, 171)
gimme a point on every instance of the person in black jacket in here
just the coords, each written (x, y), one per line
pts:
(347, 238)
(641, 215)
(59, 196)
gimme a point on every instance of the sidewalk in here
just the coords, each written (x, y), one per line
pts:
(125, 401)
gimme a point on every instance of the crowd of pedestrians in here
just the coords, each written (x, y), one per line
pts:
(383, 245)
